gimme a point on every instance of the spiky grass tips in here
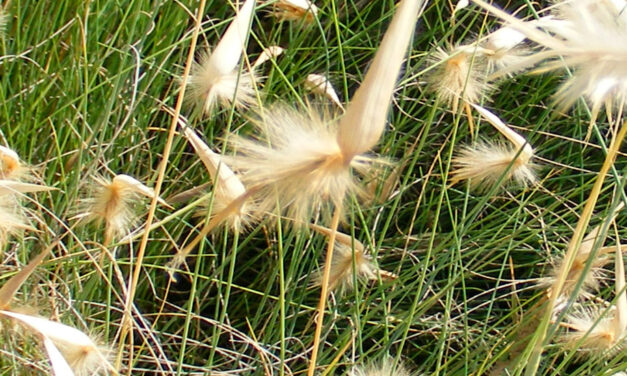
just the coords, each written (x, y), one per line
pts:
(112, 202)
(294, 10)
(458, 74)
(216, 78)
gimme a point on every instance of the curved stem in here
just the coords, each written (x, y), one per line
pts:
(324, 291)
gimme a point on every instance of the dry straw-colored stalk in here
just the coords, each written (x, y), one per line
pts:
(127, 321)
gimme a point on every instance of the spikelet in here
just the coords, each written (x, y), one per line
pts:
(590, 333)
(303, 167)
(486, 163)
(227, 186)
(80, 351)
(582, 258)
(12, 213)
(112, 202)
(304, 160)
(216, 78)
(58, 364)
(501, 48)
(319, 84)
(267, 54)
(385, 368)
(295, 10)
(596, 335)
(11, 166)
(588, 35)
(347, 264)
(366, 114)
(459, 74)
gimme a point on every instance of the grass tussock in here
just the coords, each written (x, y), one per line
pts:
(438, 185)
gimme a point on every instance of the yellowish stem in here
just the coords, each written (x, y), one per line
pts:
(573, 246)
(324, 292)
(127, 322)
(471, 122)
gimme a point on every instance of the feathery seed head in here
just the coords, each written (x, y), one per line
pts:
(349, 260)
(11, 167)
(588, 35)
(460, 74)
(12, 222)
(113, 202)
(485, 163)
(347, 264)
(227, 185)
(319, 84)
(581, 260)
(216, 79)
(299, 161)
(294, 10)
(306, 159)
(385, 368)
(592, 334)
(208, 87)
(80, 351)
